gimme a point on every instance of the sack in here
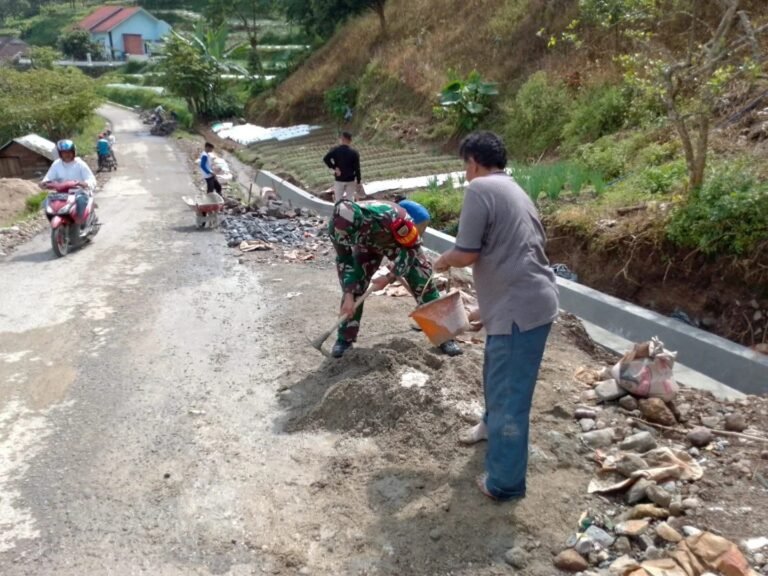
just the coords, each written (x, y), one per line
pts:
(646, 371)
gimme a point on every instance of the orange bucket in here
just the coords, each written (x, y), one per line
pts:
(442, 319)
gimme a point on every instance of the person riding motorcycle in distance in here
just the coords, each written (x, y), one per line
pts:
(71, 168)
(103, 149)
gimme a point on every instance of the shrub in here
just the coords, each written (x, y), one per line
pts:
(662, 179)
(728, 215)
(35, 202)
(536, 116)
(134, 67)
(77, 44)
(599, 111)
(340, 100)
(53, 117)
(605, 156)
(467, 101)
(444, 205)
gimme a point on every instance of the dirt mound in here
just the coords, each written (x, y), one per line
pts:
(13, 195)
(399, 387)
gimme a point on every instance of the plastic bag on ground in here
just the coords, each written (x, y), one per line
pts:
(647, 371)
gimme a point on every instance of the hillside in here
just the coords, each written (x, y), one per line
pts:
(426, 39)
(589, 129)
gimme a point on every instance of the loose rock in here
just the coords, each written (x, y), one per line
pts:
(632, 527)
(735, 422)
(608, 390)
(623, 565)
(700, 436)
(656, 410)
(599, 536)
(691, 504)
(658, 496)
(517, 557)
(644, 511)
(587, 424)
(629, 403)
(630, 463)
(570, 561)
(637, 491)
(710, 421)
(640, 442)
(666, 532)
(598, 438)
(584, 413)
(622, 545)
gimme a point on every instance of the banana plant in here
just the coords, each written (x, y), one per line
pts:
(468, 100)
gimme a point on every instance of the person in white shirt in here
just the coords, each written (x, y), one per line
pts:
(71, 168)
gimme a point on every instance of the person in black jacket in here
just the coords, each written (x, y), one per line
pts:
(345, 163)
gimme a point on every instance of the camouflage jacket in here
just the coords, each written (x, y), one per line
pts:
(380, 229)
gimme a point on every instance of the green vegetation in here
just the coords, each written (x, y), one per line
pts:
(444, 205)
(85, 138)
(63, 101)
(77, 45)
(339, 101)
(34, 203)
(320, 18)
(728, 215)
(467, 101)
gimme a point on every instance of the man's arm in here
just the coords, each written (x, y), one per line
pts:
(329, 159)
(50, 175)
(204, 165)
(351, 274)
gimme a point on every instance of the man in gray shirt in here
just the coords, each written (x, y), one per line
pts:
(501, 237)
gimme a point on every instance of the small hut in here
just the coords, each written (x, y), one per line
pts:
(27, 157)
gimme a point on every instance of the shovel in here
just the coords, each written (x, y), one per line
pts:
(317, 343)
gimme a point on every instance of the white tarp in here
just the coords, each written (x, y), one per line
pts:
(412, 183)
(249, 133)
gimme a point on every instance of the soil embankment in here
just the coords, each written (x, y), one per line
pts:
(726, 295)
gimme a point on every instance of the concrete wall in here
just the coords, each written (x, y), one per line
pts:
(718, 358)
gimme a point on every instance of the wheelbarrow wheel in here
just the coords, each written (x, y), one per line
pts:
(200, 220)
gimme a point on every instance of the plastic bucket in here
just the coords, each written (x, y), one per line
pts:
(442, 319)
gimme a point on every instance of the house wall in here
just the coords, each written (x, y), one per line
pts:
(142, 23)
(32, 164)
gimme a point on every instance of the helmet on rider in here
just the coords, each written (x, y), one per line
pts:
(66, 147)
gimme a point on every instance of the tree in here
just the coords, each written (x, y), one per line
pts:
(248, 14)
(721, 45)
(193, 69)
(43, 57)
(63, 100)
(321, 17)
(77, 44)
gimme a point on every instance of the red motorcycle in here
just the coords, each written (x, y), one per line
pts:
(68, 230)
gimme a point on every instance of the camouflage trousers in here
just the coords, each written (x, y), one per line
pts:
(416, 277)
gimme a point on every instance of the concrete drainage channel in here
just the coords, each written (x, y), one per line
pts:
(710, 362)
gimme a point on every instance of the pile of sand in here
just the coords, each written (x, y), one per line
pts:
(398, 386)
(13, 195)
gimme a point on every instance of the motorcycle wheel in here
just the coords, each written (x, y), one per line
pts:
(60, 241)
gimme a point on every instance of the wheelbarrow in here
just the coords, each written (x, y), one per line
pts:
(206, 207)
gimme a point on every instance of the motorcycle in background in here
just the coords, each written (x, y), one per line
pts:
(69, 231)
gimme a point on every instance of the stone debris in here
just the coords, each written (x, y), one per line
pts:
(276, 225)
(652, 454)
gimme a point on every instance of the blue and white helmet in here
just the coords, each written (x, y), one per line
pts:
(66, 146)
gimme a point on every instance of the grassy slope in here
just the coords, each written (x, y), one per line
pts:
(426, 39)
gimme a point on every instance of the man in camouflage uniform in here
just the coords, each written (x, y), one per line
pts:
(363, 234)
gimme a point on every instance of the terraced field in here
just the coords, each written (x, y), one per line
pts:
(302, 158)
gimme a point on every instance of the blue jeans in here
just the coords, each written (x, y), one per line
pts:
(510, 369)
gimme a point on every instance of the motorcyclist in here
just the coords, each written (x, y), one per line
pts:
(112, 142)
(103, 149)
(71, 168)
